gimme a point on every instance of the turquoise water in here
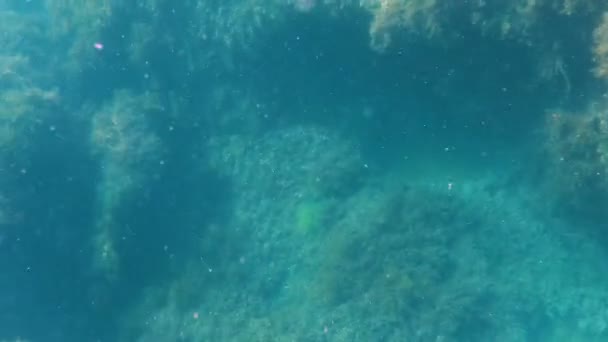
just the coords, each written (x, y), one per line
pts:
(303, 170)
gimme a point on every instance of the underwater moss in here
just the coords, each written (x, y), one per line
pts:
(309, 216)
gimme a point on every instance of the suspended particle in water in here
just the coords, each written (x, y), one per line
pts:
(98, 46)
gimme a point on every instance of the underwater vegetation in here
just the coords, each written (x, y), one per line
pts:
(577, 154)
(303, 170)
(127, 151)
